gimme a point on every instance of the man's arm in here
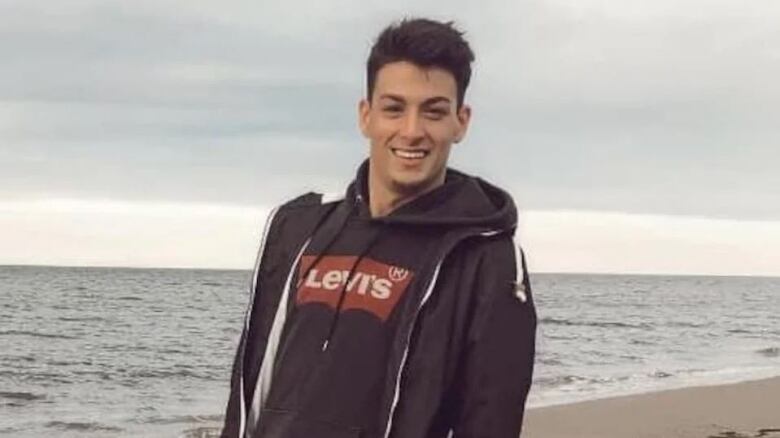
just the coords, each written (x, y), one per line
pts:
(499, 360)
(235, 414)
(230, 428)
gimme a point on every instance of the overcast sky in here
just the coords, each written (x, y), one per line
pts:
(665, 110)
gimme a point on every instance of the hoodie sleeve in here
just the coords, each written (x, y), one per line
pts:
(232, 411)
(498, 362)
(235, 413)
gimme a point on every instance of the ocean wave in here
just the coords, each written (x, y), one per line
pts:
(34, 334)
(82, 426)
(62, 363)
(37, 377)
(26, 396)
(185, 419)
(126, 348)
(686, 324)
(129, 298)
(570, 379)
(171, 351)
(559, 380)
(602, 324)
(739, 331)
(559, 337)
(769, 352)
(100, 375)
(17, 359)
(632, 358)
(201, 432)
(167, 374)
(641, 342)
(82, 319)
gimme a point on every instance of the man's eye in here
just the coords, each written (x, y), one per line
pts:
(436, 113)
(392, 109)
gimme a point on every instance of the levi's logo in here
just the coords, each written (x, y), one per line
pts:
(374, 286)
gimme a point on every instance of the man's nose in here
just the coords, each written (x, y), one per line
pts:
(412, 128)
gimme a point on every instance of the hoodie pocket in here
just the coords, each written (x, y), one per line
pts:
(279, 423)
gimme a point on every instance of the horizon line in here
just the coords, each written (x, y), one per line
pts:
(186, 268)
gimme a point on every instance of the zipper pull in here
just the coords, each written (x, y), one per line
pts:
(325, 345)
(520, 292)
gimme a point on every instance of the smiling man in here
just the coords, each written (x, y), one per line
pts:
(401, 308)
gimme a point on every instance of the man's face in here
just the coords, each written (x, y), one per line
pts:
(411, 122)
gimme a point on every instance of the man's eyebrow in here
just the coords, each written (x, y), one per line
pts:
(426, 102)
(394, 97)
(435, 100)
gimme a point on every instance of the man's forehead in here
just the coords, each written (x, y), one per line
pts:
(414, 83)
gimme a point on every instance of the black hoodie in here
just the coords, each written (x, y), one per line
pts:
(416, 324)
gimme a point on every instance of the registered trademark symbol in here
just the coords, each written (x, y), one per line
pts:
(398, 274)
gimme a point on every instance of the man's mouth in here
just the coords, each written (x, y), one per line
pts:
(410, 154)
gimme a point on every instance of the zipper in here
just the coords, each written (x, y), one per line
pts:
(397, 392)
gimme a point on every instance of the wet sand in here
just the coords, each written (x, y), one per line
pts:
(740, 410)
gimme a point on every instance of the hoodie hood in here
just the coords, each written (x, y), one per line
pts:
(462, 201)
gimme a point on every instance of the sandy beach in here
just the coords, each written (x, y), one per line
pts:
(740, 410)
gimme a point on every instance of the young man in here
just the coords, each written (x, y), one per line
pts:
(401, 309)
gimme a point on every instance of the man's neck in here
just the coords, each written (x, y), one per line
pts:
(383, 200)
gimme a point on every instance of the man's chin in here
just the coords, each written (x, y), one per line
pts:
(411, 187)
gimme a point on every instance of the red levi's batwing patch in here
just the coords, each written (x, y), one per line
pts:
(374, 287)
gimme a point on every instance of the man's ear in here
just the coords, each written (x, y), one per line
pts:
(364, 110)
(464, 117)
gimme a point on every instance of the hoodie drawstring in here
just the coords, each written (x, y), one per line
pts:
(343, 293)
(330, 242)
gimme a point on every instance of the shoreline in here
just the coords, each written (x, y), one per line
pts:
(745, 409)
(660, 386)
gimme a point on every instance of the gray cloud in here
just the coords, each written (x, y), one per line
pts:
(658, 107)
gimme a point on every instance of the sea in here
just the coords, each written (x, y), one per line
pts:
(117, 352)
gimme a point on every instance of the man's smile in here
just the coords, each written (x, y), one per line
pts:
(410, 154)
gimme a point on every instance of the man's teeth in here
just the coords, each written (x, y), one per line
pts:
(409, 154)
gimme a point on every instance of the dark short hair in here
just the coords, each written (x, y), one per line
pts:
(426, 43)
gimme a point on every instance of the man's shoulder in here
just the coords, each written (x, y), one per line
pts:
(491, 249)
(488, 255)
(288, 224)
(300, 213)
(310, 200)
